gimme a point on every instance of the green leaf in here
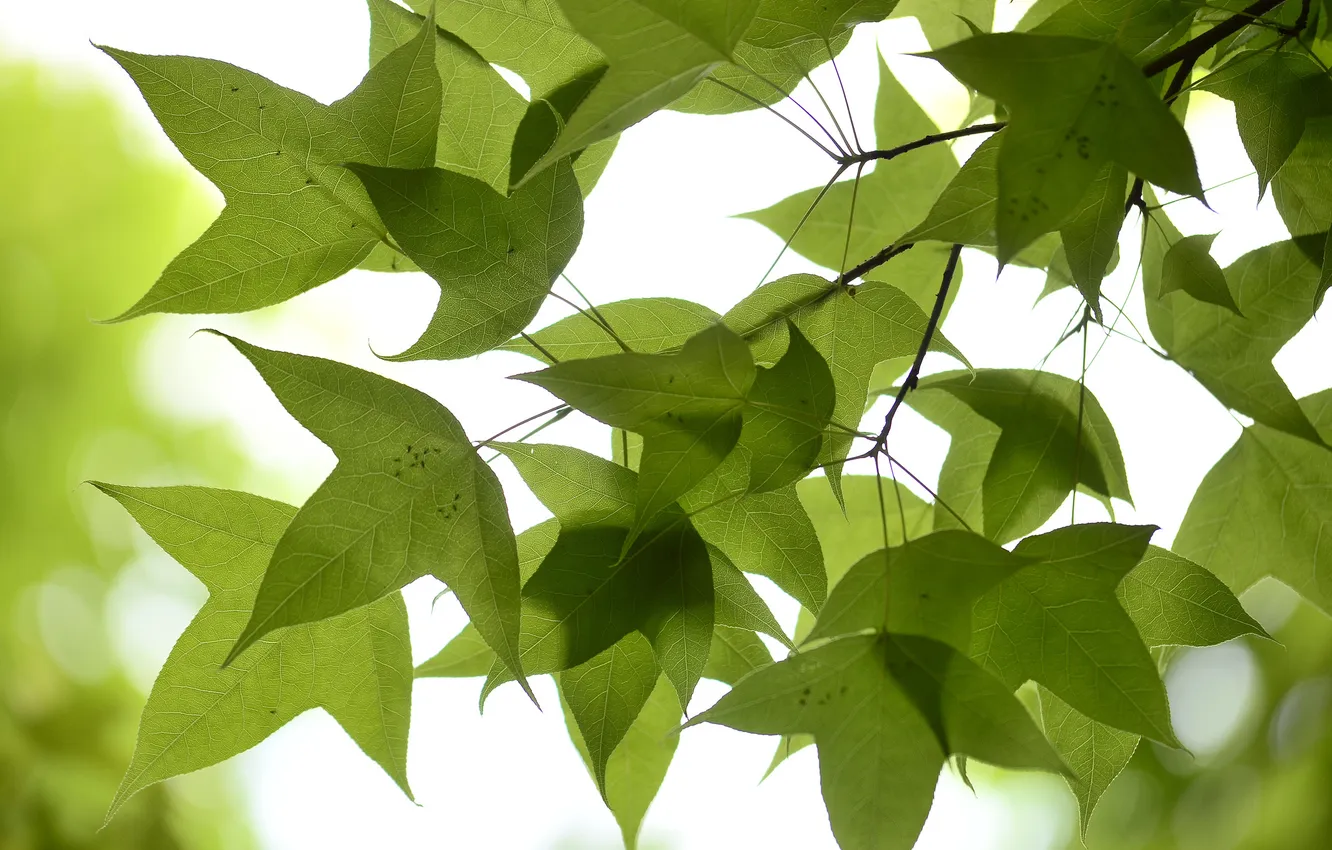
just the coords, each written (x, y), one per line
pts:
(434, 508)
(545, 118)
(1040, 454)
(849, 534)
(925, 587)
(495, 257)
(892, 197)
(1075, 104)
(1188, 267)
(854, 328)
(1173, 602)
(577, 487)
(356, 666)
(751, 71)
(1091, 233)
(946, 21)
(1300, 188)
(1276, 289)
(972, 440)
(1274, 93)
(1143, 29)
(1060, 622)
(789, 408)
(1264, 510)
(638, 766)
(738, 605)
(590, 592)
(735, 654)
(647, 325)
(532, 38)
(885, 711)
(294, 217)
(605, 694)
(657, 50)
(687, 406)
(780, 23)
(467, 654)
(1095, 753)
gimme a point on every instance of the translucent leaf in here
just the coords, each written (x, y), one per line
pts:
(295, 218)
(885, 711)
(495, 257)
(1264, 509)
(1039, 455)
(647, 325)
(1143, 29)
(1075, 103)
(1092, 232)
(735, 654)
(788, 411)
(434, 508)
(1188, 267)
(356, 666)
(1060, 623)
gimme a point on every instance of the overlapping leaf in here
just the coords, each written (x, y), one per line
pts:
(357, 666)
(656, 51)
(1276, 289)
(885, 711)
(1038, 455)
(295, 218)
(409, 497)
(1173, 602)
(646, 325)
(1075, 104)
(495, 257)
(1265, 508)
(1060, 623)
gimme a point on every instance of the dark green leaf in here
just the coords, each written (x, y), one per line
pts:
(735, 654)
(1075, 104)
(1091, 233)
(647, 326)
(789, 408)
(1143, 29)
(1188, 267)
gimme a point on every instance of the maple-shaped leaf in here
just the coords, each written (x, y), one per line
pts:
(1039, 454)
(1276, 290)
(1265, 509)
(494, 257)
(1275, 93)
(1074, 103)
(295, 217)
(854, 328)
(885, 711)
(479, 111)
(633, 773)
(1142, 29)
(645, 325)
(1189, 267)
(356, 666)
(1058, 621)
(689, 407)
(409, 497)
(1173, 602)
(656, 51)
(1302, 198)
(926, 587)
(892, 196)
(946, 21)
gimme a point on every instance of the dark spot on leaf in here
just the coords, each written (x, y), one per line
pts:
(235, 88)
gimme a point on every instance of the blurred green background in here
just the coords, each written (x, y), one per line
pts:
(87, 214)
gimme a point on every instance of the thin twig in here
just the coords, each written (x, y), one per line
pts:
(559, 414)
(538, 346)
(933, 495)
(931, 139)
(801, 130)
(535, 416)
(846, 141)
(593, 307)
(913, 376)
(850, 221)
(841, 169)
(850, 118)
(786, 95)
(1194, 48)
(874, 262)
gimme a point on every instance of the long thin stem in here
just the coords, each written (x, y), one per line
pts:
(595, 320)
(850, 222)
(841, 169)
(850, 117)
(788, 96)
(801, 130)
(1077, 440)
(535, 416)
(933, 495)
(538, 346)
(931, 139)
(593, 307)
(1196, 47)
(846, 140)
(913, 376)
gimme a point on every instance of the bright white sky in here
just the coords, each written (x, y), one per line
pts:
(657, 225)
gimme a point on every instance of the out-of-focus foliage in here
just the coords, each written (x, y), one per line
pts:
(85, 213)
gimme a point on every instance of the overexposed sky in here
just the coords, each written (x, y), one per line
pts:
(659, 224)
